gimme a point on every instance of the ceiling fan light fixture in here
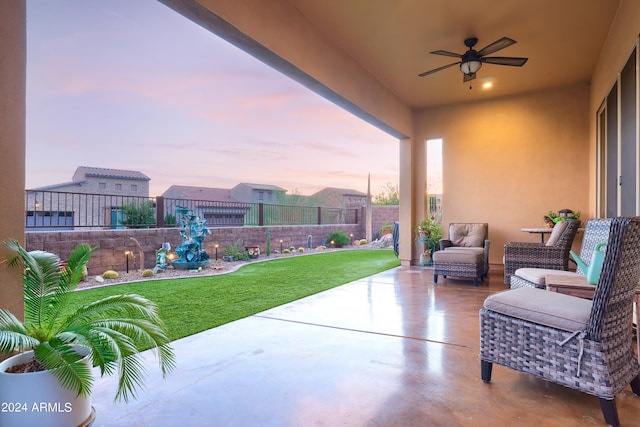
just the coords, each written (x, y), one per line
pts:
(470, 67)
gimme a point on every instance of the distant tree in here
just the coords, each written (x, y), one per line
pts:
(388, 195)
(141, 215)
(297, 199)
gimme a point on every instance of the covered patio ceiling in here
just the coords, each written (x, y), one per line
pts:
(392, 41)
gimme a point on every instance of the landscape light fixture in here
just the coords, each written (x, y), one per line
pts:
(216, 246)
(280, 245)
(126, 255)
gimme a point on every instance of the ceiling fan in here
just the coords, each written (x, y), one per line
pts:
(471, 61)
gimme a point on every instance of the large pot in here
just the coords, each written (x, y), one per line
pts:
(37, 399)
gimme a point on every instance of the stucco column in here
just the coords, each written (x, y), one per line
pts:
(13, 52)
(407, 201)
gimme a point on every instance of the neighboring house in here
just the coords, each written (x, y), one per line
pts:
(341, 197)
(106, 190)
(215, 205)
(258, 193)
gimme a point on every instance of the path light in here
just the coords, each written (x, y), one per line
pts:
(216, 246)
(351, 237)
(332, 243)
(281, 245)
(126, 254)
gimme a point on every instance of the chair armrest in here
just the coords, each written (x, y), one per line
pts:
(445, 243)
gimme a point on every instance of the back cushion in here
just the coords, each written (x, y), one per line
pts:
(558, 229)
(468, 234)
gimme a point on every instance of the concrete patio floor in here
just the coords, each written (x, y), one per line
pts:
(389, 350)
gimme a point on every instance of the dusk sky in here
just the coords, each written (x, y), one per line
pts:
(131, 84)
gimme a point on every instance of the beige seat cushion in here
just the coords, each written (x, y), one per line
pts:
(558, 229)
(468, 234)
(459, 256)
(539, 306)
(537, 275)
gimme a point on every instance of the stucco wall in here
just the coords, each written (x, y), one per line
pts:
(509, 161)
(13, 49)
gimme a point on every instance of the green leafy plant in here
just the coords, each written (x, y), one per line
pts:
(339, 238)
(111, 331)
(170, 220)
(555, 218)
(386, 228)
(429, 228)
(236, 250)
(141, 215)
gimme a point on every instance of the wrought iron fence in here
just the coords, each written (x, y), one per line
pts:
(51, 210)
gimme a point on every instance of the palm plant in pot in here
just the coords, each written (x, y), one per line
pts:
(49, 382)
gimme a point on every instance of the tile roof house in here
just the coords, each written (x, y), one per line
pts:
(198, 193)
(93, 180)
(257, 193)
(215, 205)
(341, 197)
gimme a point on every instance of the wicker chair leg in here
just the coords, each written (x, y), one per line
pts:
(485, 368)
(435, 278)
(610, 412)
(475, 281)
(635, 385)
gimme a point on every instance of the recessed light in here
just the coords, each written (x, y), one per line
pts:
(486, 81)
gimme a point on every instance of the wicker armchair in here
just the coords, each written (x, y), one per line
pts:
(596, 231)
(464, 235)
(574, 342)
(553, 255)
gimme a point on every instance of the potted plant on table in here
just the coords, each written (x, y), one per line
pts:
(551, 218)
(429, 232)
(429, 229)
(49, 382)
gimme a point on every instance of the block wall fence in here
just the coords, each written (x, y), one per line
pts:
(112, 244)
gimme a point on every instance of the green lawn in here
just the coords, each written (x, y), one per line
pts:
(196, 304)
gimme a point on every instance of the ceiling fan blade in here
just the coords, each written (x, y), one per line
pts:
(446, 53)
(469, 77)
(435, 70)
(504, 60)
(496, 46)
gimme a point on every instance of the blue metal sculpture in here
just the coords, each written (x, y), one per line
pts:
(193, 231)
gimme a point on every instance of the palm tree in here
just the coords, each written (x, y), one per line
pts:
(111, 332)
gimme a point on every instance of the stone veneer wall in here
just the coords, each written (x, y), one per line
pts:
(381, 214)
(113, 243)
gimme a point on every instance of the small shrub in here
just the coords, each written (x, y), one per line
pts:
(147, 273)
(339, 238)
(110, 274)
(363, 241)
(300, 250)
(236, 250)
(386, 228)
(286, 251)
(321, 247)
(292, 249)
